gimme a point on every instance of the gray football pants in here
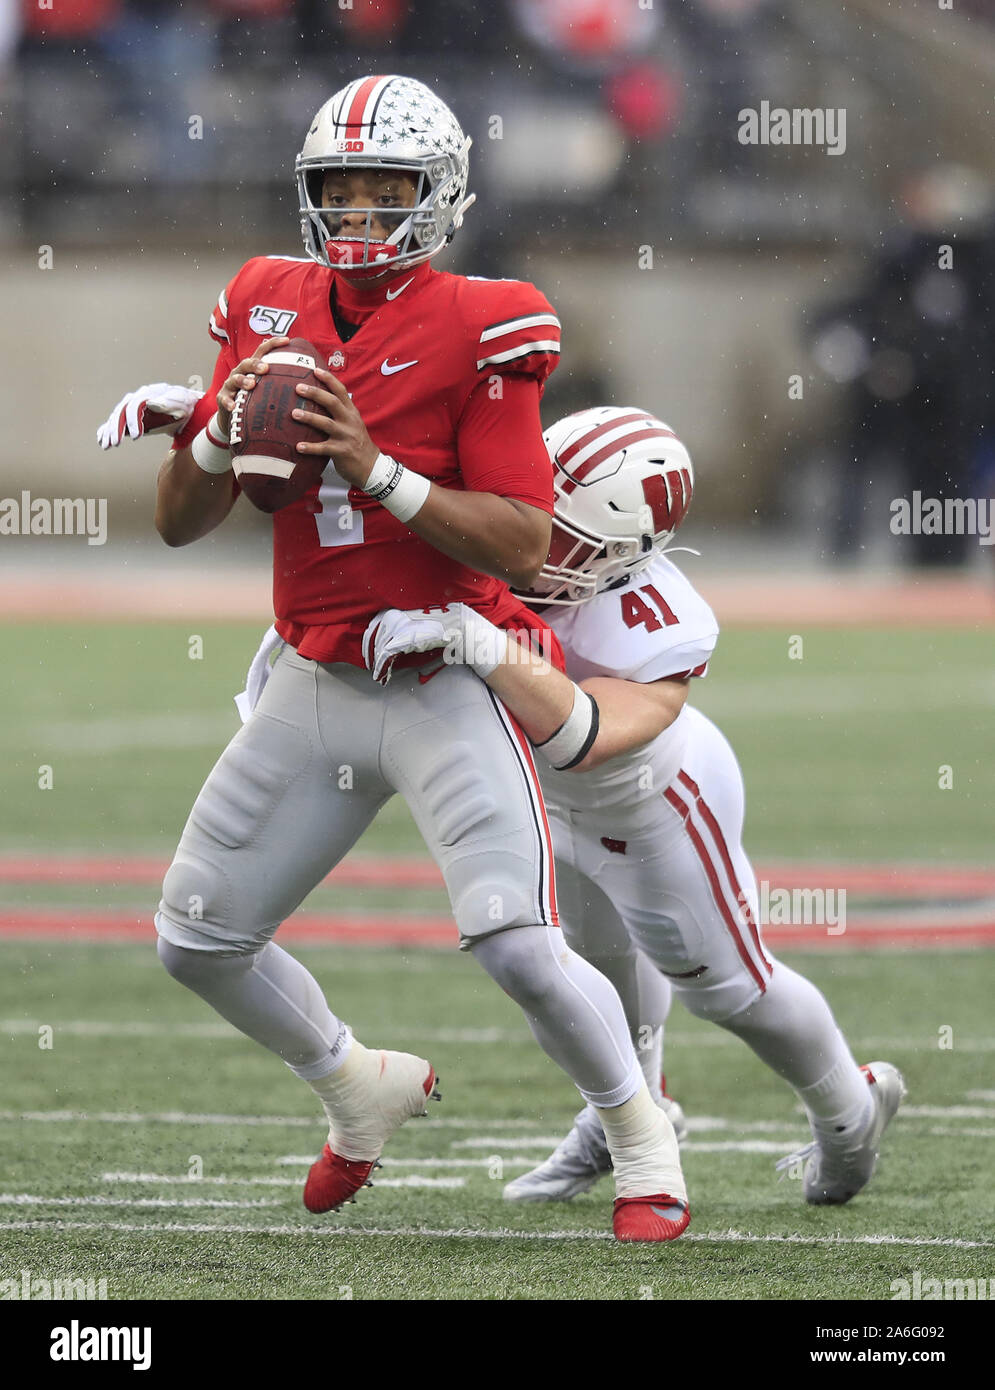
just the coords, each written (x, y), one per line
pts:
(292, 792)
(325, 748)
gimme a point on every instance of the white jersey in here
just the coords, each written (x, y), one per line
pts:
(654, 626)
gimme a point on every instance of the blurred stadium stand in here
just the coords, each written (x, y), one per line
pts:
(151, 145)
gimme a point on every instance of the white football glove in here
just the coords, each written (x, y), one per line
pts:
(128, 416)
(467, 639)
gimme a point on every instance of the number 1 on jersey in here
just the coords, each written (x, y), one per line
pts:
(637, 612)
(338, 523)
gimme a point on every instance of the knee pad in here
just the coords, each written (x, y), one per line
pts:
(195, 891)
(714, 999)
(196, 968)
(199, 911)
(488, 893)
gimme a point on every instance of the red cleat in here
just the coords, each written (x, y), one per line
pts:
(395, 1097)
(333, 1180)
(649, 1218)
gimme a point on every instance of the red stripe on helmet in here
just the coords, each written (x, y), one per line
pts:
(588, 465)
(572, 450)
(354, 119)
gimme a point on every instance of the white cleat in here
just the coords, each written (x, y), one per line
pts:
(835, 1174)
(577, 1163)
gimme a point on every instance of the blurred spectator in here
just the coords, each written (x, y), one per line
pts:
(592, 33)
(914, 349)
(10, 31)
(68, 20)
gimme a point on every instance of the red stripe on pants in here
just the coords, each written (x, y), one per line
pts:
(719, 839)
(684, 811)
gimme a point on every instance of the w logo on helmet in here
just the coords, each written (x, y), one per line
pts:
(668, 496)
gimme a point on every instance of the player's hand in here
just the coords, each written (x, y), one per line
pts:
(467, 639)
(135, 414)
(347, 441)
(243, 378)
(394, 632)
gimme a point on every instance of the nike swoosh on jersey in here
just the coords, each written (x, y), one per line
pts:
(392, 294)
(389, 370)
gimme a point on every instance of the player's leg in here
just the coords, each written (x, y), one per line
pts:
(692, 906)
(278, 811)
(593, 928)
(466, 772)
(595, 931)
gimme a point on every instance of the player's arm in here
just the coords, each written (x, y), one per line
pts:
(578, 727)
(506, 537)
(195, 489)
(542, 699)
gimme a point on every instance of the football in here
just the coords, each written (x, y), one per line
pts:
(264, 434)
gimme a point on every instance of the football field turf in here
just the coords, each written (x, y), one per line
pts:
(144, 1141)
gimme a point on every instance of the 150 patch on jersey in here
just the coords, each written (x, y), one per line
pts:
(271, 323)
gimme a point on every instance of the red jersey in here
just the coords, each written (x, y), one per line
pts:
(446, 372)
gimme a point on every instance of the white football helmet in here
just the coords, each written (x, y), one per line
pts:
(385, 123)
(622, 484)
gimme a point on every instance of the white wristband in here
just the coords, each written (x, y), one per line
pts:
(575, 737)
(211, 451)
(396, 488)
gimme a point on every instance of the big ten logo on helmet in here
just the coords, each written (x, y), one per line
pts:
(271, 323)
(350, 146)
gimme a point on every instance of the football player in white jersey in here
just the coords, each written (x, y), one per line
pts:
(646, 798)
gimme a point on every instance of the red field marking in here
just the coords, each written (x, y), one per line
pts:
(966, 922)
(886, 880)
(343, 929)
(352, 873)
(834, 598)
(358, 930)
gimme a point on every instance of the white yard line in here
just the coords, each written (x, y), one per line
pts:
(183, 1117)
(302, 1161)
(141, 1028)
(164, 1117)
(181, 1180)
(698, 1124)
(945, 1112)
(494, 1144)
(963, 1131)
(128, 1028)
(730, 1237)
(27, 1199)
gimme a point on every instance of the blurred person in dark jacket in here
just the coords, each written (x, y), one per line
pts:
(913, 348)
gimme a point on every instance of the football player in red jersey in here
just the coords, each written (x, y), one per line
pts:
(437, 489)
